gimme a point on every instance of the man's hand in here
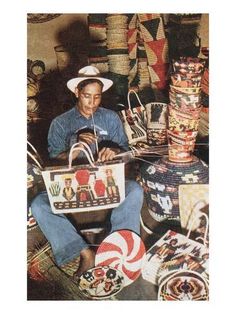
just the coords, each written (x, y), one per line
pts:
(108, 153)
(87, 137)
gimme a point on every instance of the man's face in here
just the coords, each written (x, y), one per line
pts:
(68, 183)
(89, 98)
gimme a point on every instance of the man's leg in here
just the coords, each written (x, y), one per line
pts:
(66, 243)
(127, 214)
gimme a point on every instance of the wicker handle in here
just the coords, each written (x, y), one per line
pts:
(207, 227)
(195, 218)
(128, 98)
(87, 153)
(36, 159)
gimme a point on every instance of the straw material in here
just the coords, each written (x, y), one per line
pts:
(203, 129)
(161, 181)
(148, 16)
(152, 29)
(185, 90)
(157, 51)
(189, 65)
(158, 75)
(156, 136)
(178, 114)
(132, 36)
(97, 33)
(132, 21)
(182, 124)
(101, 66)
(185, 102)
(186, 82)
(180, 153)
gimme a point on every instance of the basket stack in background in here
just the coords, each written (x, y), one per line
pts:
(98, 40)
(131, 49)
(162, 179)
(184, 108)
(117, 51)
(203, 130)
(152, 33)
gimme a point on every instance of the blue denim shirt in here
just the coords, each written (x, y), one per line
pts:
(62, 132)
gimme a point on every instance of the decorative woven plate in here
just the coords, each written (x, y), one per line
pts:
(123, 250)
(101, 282)
(183, 286)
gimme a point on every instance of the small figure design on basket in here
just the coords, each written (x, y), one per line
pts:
(68, 192)
(112, 189)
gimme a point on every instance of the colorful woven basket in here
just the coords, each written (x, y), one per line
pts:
(101, 282)
(161, 181)
(123, 250)
(189, 65)
(183, 286)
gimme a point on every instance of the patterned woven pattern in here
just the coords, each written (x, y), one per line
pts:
(183, 286)
(123, 250)
(161, 181)
(185, 107)
(135, 50)
(192, 198)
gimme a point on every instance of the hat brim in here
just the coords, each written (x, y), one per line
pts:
(73, 83)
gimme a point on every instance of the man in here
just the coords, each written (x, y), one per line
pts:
(109, 137)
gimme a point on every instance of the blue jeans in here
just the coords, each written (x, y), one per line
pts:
(65, 241)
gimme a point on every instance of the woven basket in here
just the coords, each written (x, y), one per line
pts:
(180, 153)
(185, 90)
(161, 181)
(186, 82)
(182, 124)
(189, 65)
(183, 285)
(179, 114)
(185, 102)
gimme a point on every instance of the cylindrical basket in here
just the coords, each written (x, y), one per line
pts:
(161, 181)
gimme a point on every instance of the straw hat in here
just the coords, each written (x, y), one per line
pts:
(88, 72)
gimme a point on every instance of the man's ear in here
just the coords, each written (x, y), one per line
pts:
(76, 92)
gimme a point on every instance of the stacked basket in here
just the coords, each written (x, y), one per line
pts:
(162, 179)
(184, 108)
(98, 51)
(117, 51)
(155, 43)
(161, 182)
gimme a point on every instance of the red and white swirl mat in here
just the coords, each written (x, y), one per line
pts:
(122, 250)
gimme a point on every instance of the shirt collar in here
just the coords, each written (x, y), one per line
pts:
(79, 115)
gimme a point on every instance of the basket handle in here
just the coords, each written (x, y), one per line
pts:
(128, 98)
(35, 160)
(194, 220)
(87, 153)
(88, 149)
(39, 161)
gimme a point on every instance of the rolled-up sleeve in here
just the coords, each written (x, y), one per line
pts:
(56, 139)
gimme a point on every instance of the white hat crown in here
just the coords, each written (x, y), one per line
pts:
(88, 72)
